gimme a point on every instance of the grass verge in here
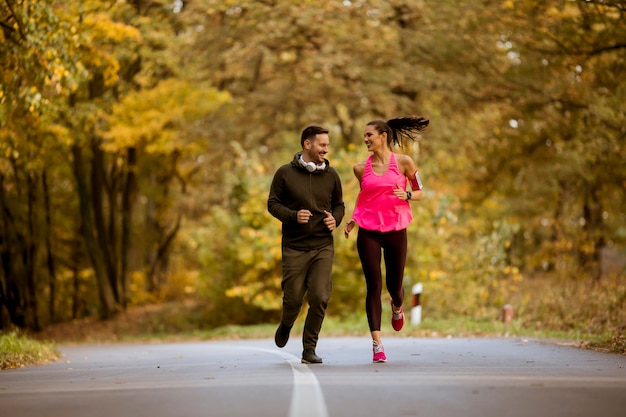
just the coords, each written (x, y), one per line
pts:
(173, 323)
(18, 351)
(170, 324)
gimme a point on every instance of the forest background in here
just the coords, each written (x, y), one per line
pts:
(138, 140)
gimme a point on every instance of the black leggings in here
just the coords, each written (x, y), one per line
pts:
(394, 248)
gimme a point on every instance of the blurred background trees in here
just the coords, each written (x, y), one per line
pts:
(138, 140)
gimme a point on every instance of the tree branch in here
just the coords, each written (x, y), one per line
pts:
(20, 27)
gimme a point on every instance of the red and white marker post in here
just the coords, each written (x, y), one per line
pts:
(416, 310)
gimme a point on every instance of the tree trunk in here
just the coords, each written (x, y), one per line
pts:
(76, 307)
(592, 213)
(5, 264)
(12, 245)
(127, 203)
(96, 254)
(162, 257)
(49, 256)
(105, 240)
(30, 251)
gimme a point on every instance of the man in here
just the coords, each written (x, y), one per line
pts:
(306, 196)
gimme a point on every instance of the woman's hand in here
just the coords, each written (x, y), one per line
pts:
(349, 226)
(400, 193)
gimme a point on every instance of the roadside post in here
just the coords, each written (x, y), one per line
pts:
(416, 310)
(507, 314)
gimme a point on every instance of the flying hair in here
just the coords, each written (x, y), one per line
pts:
(401, 129)
(407, 128)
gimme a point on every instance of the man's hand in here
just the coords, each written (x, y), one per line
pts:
(304, 216)
(330, 221)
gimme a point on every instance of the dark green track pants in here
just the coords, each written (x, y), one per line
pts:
(307, 273)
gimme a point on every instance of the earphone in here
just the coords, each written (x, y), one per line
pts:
(311, 166)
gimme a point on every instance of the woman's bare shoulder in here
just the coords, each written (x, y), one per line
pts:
(359, 168)
(403, 158)
(360, 164)
(405, 162)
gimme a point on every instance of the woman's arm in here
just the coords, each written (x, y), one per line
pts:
(358, 170)
(409, 170)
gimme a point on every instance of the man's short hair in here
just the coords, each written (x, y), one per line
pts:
(310, 133)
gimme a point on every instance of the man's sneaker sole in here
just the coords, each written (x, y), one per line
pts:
(310, 357)
(282, 335)
(308, 362)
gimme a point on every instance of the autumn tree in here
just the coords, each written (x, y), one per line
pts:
(138, 140)
(37, 73)
(59, 96)
(546, 134)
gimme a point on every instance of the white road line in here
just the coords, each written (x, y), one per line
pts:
(307, 399)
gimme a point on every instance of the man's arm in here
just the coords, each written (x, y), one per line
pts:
(338, 207)
(275, 204)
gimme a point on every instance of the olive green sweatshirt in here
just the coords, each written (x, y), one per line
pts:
(294, 188)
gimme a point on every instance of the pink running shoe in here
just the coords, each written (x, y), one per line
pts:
(397, 318)
(379, 353)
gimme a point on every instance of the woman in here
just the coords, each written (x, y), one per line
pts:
(383, 213)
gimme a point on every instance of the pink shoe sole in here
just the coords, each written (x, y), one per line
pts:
(379, 354)
(379, 358)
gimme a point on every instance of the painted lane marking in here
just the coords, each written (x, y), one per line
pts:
(307, 399)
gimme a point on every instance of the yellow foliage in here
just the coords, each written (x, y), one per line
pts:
(435, 275)
(101, 27)
(262, 295)
(137, 286)
(111, 71)
(552, 12)
(153, 118)
(570, 11)
(180, 284)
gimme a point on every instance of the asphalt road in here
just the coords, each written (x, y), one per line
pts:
(423, 377)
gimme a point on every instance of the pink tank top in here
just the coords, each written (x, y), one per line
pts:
(377, 208)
